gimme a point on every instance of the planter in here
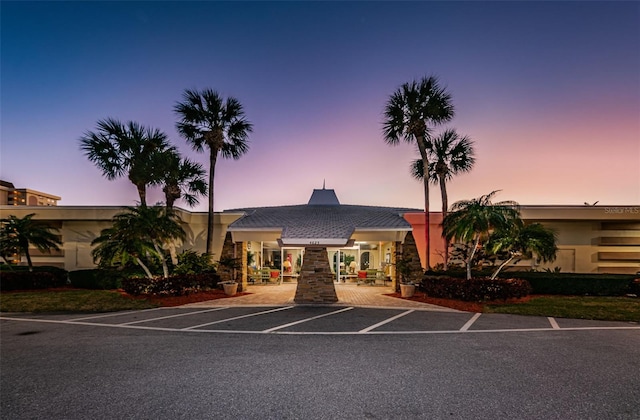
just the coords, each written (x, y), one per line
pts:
(230, 289)
(407, 290)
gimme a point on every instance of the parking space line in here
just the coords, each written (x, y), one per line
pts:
(237, 317)
(307, 319)
(115, 314)
(386, 321)
(173, 316)
(553, 323)
(470, 322)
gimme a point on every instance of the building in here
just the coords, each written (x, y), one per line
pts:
(12, 196)
(591, 239)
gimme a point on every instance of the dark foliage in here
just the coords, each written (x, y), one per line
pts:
(177, 285)
(549, 283)
(634, 287)
(475, 290)
(96, 279)
(30, 280)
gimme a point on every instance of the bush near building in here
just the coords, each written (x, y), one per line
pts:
(20, 278)
(475, 289)
(550, 283)
(176, 285)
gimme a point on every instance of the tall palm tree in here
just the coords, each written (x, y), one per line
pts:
(208, 121)
(17, 234)
(126, 149)
(182, 178)
(471, 221)
(410, 115)
(137, 233)
(523, 241)
(450, 154)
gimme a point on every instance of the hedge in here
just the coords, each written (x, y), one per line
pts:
(96, 279)
(475, 290)
(545, 283)
(176, 285)
(29, 280)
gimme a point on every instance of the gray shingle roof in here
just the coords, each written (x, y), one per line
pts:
(321, 221)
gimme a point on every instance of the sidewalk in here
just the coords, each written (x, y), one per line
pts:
(348, 295)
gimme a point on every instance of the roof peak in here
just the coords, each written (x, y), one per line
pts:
(323, 197)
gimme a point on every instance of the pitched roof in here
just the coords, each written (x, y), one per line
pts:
(322, 219)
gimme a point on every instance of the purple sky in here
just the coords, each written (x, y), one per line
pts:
(549, 92)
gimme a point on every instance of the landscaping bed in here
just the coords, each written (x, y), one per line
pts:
(458, 304)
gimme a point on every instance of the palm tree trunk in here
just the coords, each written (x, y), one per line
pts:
(29, 263)
(495, 273)
(445, 207)
(210, 219)
(165, 269)
(422, 147)
(144, 267)
(142, 192)
(473, 252)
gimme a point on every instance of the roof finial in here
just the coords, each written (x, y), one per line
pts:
(323, 181)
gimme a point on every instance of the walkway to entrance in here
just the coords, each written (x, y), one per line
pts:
(349, 295)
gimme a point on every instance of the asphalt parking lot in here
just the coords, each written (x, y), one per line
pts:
(292, 362)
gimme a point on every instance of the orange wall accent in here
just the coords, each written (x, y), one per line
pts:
(436, 241)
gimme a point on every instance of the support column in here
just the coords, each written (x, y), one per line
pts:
(315, 284)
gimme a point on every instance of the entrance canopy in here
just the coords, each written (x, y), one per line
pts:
(323, 222)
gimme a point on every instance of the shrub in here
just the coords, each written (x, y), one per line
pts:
(176, 285)
(190, 262)
(475, 290)
(28, 280)
(550, 283)
(634, 287)
(96, 279)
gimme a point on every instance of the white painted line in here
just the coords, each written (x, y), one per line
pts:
(237, 317)
(470, 322)
(386, 321)
(173, 316)
(307, 319)
(115, 314)
(553, 323)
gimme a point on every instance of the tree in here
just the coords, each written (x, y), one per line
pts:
(17, 234)
(471, 221)
(450, 154)
(138, 233)
(131, 149)
(523, 241)
(182, 178)
(207, 121)
(410, 114)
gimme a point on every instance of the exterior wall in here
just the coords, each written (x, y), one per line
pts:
(79, 225)
(591, 239)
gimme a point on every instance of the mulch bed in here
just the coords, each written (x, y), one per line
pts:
(457, 304)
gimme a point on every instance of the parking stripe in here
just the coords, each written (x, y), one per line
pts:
(470, 322)
(307, 319)
(553, 323)
(237, 317)
(173, 316)
(386, 321)
(115, 314)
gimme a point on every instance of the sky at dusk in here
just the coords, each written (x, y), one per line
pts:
(548, 91)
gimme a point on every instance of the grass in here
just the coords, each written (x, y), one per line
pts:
(578, 307)
(69, 301)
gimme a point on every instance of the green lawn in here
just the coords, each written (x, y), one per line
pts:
(69, 301)
(580, 307)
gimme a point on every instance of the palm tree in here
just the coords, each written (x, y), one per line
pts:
(207, 121)
(471, 221)
(136, 234)
(450, 154)
(182, 178)
(17, 234)
(131, 149)
(523, 241)
(410, 114)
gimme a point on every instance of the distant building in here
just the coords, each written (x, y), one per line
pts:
(12, 196)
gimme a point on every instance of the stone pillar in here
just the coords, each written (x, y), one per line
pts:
(315, 284)
(241, 257)
(227, 257)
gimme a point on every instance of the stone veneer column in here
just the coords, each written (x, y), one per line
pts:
(315, 284)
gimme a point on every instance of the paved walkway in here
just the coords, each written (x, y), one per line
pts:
(348, 295)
